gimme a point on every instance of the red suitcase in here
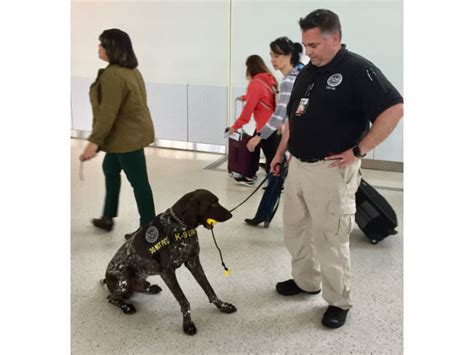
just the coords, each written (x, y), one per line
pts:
(239, 159)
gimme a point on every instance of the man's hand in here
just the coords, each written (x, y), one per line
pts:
(275, 164)
(89, 152)
(384, 124)
(253, 142)
(342, 160)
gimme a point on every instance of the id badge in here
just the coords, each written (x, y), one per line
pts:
(302, 106)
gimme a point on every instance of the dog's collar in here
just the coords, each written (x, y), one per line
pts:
(180, 222)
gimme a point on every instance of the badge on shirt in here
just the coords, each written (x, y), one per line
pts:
(333, 81)
(302, 106)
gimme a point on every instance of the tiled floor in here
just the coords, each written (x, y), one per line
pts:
(265, 321)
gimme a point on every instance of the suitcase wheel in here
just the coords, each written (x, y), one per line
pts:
(374, 241)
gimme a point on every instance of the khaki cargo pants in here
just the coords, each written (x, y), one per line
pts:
(318, 216)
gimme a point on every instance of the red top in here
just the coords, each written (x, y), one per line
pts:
(259, 100)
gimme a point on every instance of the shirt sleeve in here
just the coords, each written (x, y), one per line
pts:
(252, 98)
(111, 94)
(374, 92)
(279, 114)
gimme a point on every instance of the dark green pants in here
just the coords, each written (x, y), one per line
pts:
(134, 166)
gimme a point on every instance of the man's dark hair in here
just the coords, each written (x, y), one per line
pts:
(118, 47)
(326, 20)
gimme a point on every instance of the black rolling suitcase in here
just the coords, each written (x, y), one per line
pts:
(374, 216)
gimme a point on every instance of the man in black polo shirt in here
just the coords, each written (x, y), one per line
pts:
(334, 100)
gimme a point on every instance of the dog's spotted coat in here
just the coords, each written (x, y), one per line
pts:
(132, 264)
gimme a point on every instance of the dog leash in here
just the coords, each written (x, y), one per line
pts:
(211, 222)
(227, 271)
(254, 191)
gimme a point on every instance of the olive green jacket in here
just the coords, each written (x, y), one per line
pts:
(122, 121)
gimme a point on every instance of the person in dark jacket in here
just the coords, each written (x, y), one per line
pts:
(121, 127)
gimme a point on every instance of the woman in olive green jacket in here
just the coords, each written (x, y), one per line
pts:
(122, 127)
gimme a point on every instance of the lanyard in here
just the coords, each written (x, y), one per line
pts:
(308, 89)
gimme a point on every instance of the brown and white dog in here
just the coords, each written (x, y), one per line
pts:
(164, 245)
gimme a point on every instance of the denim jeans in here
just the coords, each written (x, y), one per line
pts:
(271, 197)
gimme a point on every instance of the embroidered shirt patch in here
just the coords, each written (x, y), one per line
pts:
(334, 80)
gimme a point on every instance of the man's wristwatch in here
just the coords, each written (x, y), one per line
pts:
(357, 153)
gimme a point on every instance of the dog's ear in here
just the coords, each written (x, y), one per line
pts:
(191, 214)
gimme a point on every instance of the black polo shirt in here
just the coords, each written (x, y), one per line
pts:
(347, 94)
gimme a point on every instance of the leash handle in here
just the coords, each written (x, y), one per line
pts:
(254, 191)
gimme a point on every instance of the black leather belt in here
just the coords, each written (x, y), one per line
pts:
(310, 160)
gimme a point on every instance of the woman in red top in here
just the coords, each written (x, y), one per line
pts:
(259, 101)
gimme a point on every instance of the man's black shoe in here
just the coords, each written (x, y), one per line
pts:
(105, 223)
(334, 317)
(290, 288)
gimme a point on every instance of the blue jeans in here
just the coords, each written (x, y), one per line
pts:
(271, 197)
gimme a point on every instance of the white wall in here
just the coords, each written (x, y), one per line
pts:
(179, 42)
(180, 45)
(186, 44)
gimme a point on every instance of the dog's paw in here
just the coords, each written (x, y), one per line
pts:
(227, 307)
(153, 289)
(189, 328)
(128, 308)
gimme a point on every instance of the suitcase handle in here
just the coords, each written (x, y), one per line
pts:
(241, 130)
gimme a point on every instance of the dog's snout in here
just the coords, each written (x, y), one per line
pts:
(221, 213)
